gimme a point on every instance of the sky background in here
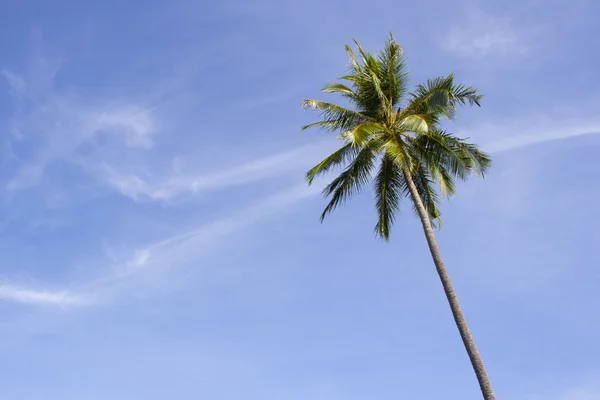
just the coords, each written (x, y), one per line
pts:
(157, 239)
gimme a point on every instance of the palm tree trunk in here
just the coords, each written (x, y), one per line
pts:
(461, 323)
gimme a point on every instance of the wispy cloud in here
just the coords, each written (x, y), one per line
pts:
(175, 183)
(113, 139)
(531, 132)
(163, 257)
(485, 35)
(184, 246)
(110, 138)
(51, 125)
(39, 297)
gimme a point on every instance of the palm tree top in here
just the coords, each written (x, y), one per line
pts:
(389, 135)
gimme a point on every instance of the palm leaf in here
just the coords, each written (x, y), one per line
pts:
(361, 134)
(341, 89)
(334, 117)
(441, 96)
(337, 158)
(394, 76)
(460, 158)
(429, 197)
(389, 185)
(350, 181)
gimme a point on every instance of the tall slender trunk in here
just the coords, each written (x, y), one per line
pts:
(461, 323)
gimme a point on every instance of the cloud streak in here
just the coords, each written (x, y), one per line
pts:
(177, 184)
(112, 141)
(49, 125)
(171, 253)
(40, 297)
(544, 131)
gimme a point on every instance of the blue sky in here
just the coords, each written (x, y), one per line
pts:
(157, 239)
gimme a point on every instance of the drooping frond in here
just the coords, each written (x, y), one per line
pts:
(426, 189)
(389, 185)
(350, 181)
(338, 158)
(478, 161)
(459, 158)
(334, 117)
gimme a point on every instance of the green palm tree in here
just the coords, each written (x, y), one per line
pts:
(393, 139)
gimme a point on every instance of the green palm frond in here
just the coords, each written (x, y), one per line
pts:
(429, 197)
(338, 158)
(365, 76)
(441, 96)
(341, 89)
(382, 98)
(389, 185)
(393, 68)
(361, 134)
(396, 148)
(460, 158)
(350, 181)
(417, 123)
(334, 117)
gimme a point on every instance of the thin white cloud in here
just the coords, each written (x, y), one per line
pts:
(30, 296)
(110, 140)
(536, 131)
(485, 35)
(184, 248)
(126, 277)
(176, 183)
(54, 125)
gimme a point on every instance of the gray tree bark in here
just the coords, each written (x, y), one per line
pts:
(461, 323)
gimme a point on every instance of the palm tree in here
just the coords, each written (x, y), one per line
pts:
(394, 140)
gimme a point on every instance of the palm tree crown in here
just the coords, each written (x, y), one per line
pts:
(390, 135)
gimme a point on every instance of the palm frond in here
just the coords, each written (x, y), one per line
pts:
(367, 77)
(334, 117)
(393, 68)
(389, 185)
(338, 158)
(361, 134)
(429, 197)
(350, 181)
(396, 148)
(441, 96)
(341, 89)
(417, 123)
(453, 154)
